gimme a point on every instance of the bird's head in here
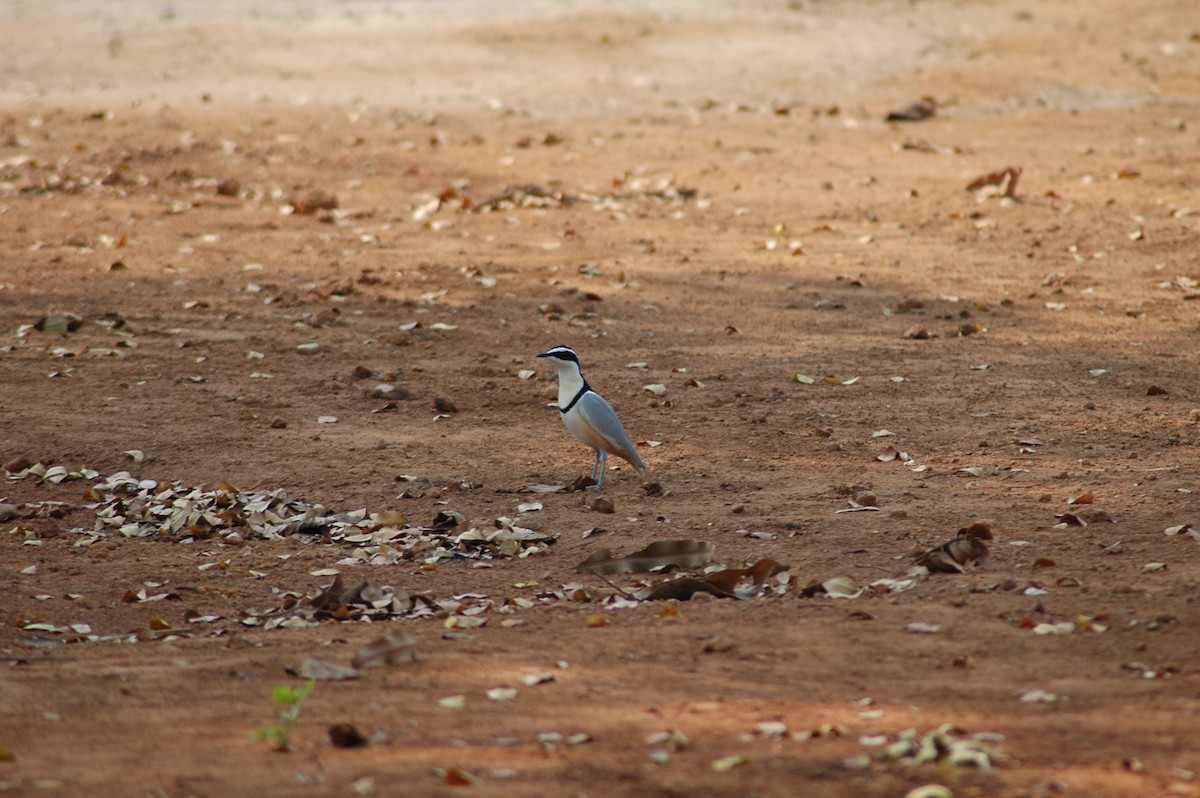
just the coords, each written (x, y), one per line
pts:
(562, 357)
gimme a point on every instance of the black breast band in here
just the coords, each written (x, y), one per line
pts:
(575, 401)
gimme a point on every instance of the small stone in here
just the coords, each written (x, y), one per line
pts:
(362, 373)
(8, 512)
(867, 499)
(602, 504)
(278, 423)
(229, 187)
(314, 201)
(916, 334)
(444, 404)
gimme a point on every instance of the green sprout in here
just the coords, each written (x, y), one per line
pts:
(289, 699)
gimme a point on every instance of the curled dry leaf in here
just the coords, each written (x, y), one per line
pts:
(730, 579)
(1083, 514)
(837, 587)
(502, 693)
(930, 791)
(915, 111)
(1001, 183)
(919, 627)
(1182, 530)
(324, 671)
(726, 764)
(683, 590)
(61, 323)
(771, 730)
(659, 554)
(955, 556)
(396, 648)
(457, 777)
(1038, 697)
(602, 504)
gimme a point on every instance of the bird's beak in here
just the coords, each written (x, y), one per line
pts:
(544, 354)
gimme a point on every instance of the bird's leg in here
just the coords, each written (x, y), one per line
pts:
(598, 469)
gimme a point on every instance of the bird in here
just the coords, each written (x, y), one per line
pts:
(589, 417)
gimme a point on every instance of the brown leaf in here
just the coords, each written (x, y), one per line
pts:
(954, 556)
(602, 504)
(660, 553)
(19, 463)
(835, 587)
(1002, 182)
(915, 111)
(581, 483)
(1084, 514)
(328, 598)
(683, 590)
(457, 777)
(757, 574)
(314, 201)
(396, 648)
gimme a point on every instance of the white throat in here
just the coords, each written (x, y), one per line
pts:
(570, 381)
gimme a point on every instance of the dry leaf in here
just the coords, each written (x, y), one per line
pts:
(683, 590)
(728, 763)
(1001, 183)
(457, 777)
(1182, 529)
(660, 553)
(955, 556)
(837, 587)
(915, 111)
(502, 693)
(324, 671)
(396, 648)
(729, 579)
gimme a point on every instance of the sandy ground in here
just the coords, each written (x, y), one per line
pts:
(287, 265)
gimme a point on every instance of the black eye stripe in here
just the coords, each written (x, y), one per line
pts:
(562, 353)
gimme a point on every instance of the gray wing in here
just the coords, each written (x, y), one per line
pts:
(603, 419)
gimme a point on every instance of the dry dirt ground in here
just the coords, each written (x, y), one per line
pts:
(268, 215)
